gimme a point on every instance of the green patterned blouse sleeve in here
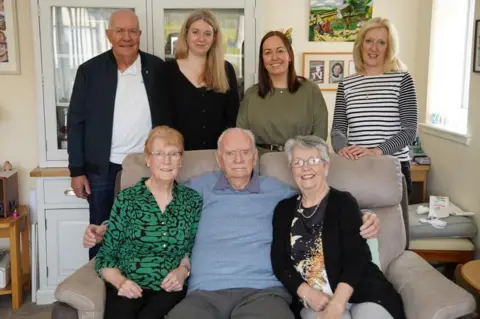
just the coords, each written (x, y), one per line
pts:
(107, 257)
(196, 211)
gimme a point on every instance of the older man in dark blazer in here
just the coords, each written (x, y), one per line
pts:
(114, 104)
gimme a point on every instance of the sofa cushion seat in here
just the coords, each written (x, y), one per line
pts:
(457, 226)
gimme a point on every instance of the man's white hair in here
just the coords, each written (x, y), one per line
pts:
(110, 24)
(236, 129)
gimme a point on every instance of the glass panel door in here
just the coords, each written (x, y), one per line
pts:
(237, 23)
(232, 23)
(72, 33)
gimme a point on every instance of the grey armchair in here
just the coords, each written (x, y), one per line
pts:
(376, 182)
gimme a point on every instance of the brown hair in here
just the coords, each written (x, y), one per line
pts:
(392, 62)
(264, 81)
(169, 135)
(214, 74)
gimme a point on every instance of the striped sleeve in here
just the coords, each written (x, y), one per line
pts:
(408, 105)
(338, 134)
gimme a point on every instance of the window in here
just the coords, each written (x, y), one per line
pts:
(450, 65)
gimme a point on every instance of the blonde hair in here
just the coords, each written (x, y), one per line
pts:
(392, 62)
(169, 135)
(214, 75)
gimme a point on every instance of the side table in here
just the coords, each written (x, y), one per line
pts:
(11, 228)
(471, 273)
(419, 175)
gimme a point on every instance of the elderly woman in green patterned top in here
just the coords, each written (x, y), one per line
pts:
(282, 105)
(150, 234)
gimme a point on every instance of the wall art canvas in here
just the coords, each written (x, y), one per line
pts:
(9, 57)
(338, 20)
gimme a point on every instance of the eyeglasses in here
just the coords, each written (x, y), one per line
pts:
(312, 161)
(122, 32)
(172, 156)
(231, 155)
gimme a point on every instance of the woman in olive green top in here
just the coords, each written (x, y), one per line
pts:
(150, 232)
(282, 105)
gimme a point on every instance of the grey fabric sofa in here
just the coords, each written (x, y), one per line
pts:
(377, 185)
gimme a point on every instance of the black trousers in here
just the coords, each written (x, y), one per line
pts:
(152, 304)
(405, 165)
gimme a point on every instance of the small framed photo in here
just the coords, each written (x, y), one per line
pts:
(476, 48)
(316, 71)
(326, 69)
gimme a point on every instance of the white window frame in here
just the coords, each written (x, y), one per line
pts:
(445, 131)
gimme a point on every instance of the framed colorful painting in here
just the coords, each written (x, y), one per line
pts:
(9, 55)
(326, 69)
(337, 20)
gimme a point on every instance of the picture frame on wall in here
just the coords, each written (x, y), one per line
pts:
(327, 69)
(9, 52)
(476, 48)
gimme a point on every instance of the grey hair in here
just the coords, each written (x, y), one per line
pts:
(309, 141)
(118, 11)
(236, 129)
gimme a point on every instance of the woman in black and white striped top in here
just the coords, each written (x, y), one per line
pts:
(376, 108)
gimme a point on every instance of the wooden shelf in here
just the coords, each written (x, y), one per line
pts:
(8, 289)
(50, 172)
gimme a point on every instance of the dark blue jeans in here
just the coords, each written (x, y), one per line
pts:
(102, 189)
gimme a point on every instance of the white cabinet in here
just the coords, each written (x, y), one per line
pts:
(70, 32)
(62, 219)
(65, 253)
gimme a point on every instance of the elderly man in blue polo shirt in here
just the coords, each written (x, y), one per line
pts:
(232, 276)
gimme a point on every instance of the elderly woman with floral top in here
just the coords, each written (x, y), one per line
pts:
(317, 251)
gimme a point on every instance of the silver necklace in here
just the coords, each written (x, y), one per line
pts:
(300, 210)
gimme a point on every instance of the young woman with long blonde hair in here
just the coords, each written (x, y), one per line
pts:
(200, 86)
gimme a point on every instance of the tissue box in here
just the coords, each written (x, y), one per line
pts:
(4, 269)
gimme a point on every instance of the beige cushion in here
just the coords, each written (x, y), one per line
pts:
(453, 244)
(194, 163)
(368, 179)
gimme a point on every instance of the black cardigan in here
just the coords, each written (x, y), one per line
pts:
(346, 253)
(200, 114)
(90, 114)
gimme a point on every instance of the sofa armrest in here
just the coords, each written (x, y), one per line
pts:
(84, 291)
(425, 292)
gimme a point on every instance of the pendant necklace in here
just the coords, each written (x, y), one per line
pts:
(300, 209)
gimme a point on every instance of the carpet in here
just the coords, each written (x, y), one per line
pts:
(28, 310)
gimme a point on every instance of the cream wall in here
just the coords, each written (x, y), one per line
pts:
(18, 118)
(412, 19)
(404, 14)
